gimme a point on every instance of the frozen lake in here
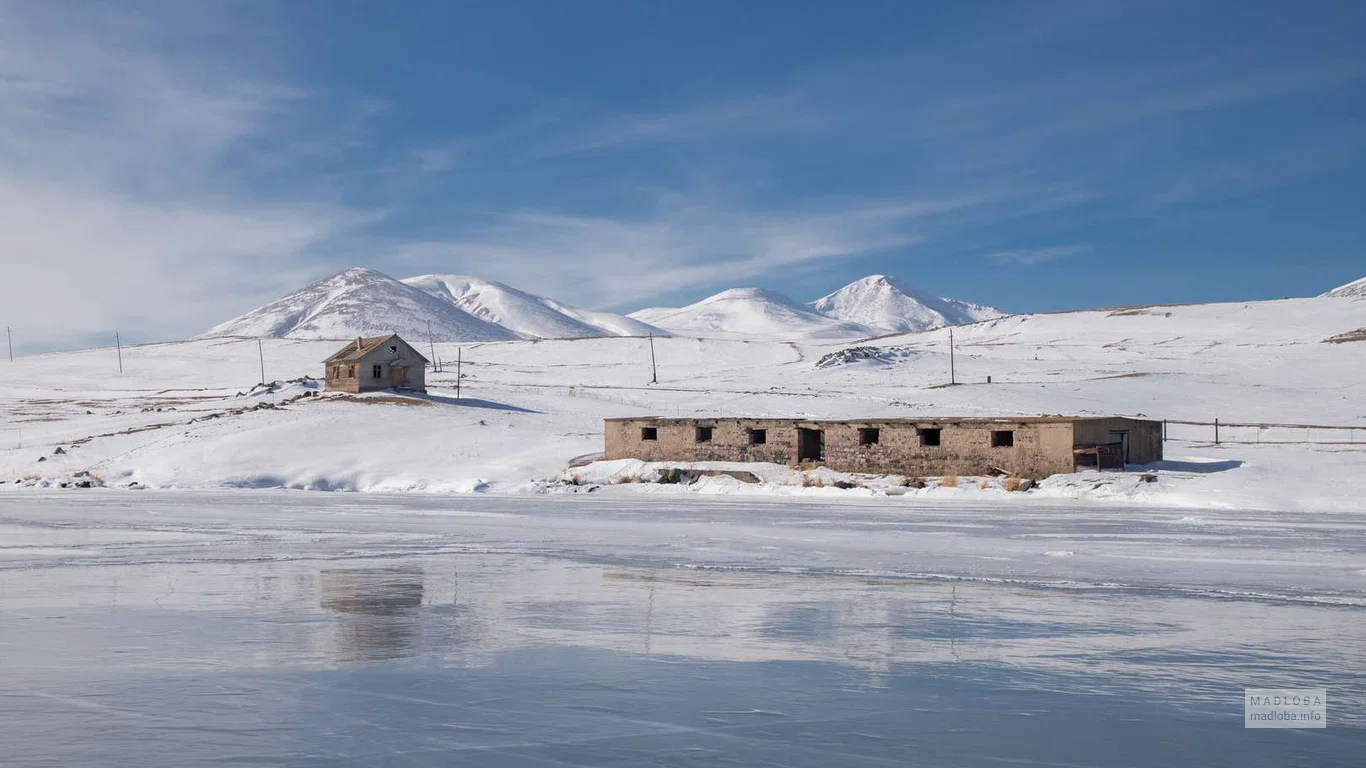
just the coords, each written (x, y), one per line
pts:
(278, 628)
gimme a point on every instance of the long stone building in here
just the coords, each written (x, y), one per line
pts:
(1027, 446)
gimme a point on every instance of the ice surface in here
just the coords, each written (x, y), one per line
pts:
(166, 628)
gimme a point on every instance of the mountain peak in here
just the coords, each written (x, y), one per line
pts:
(524, 313)
(360, 302)
(884, 302)
(750, 313)
(1356, 288)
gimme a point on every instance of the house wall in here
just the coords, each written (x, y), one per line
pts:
(1040, 448)
(677, 440)
(1145, 437)
(365, 380)
(341, 383)
(384, 357)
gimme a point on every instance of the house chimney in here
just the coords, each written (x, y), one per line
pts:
(359, 343)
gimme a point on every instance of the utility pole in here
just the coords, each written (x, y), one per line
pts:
(262, 356)
(431, 344)
(9, 335)
(654, 374)
(118, 345)
(457, 373)
(952, 374)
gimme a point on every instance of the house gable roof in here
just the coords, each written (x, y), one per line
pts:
(362, 346)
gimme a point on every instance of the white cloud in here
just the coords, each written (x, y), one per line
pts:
(613, 261)
(115, 207)
(1034, 256)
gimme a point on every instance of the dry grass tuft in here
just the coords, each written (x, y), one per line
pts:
(812, 482)
(380, 400)
(1342, 338)
(1011, 484)
(948, 481)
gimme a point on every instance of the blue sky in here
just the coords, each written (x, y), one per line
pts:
(168, 165)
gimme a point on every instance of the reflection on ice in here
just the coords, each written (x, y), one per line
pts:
(359, 640)
(380, 610)
(465, 610)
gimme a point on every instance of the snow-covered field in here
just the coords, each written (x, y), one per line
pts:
(183, 415)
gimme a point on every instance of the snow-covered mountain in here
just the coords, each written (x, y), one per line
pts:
(361, 302)
(527, 314)
(750, 313)
(887, 304)
(1353, 289)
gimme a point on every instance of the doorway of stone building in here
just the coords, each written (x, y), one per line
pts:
(810, 444)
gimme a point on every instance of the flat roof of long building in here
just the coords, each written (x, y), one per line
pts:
(887, 419)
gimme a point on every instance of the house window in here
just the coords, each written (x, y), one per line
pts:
(929, 437)
(1002, 438)
(704, 434)
(868, 435)
(377, 372)
(351, 371)
(393, 349)
(758, 436)
(649, 433)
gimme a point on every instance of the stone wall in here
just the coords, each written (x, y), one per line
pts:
(1039, 448)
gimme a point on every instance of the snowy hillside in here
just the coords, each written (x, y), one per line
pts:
(361, 302)
(752, 313)
(524, 313)
(887, 304)
(1353, 289)
(183, 414)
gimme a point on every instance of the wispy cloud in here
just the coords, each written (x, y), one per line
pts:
(154, 173)
(116, 209)
(604, 261)
(1035, 256)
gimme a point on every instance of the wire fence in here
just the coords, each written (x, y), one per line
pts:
(1218, 432)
